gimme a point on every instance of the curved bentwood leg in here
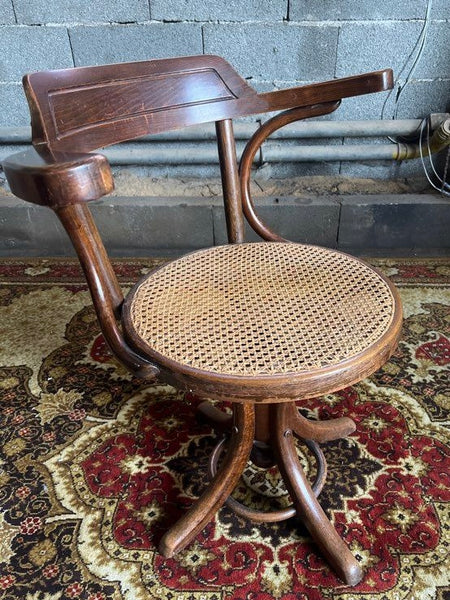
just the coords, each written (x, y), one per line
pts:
(319, 431)
(226, 479)
(308, 508)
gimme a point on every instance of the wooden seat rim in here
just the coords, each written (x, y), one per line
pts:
(272, 388)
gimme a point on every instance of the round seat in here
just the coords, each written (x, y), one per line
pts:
(264, 321)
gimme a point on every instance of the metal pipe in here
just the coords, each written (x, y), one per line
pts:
(439, 140)
(205, 132)
(303, 129)
(337, 129)
(206, 154)
(160, 150)
(350, 152)
(162, 154)
(15, 135)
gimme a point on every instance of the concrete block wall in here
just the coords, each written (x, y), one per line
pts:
(273, 43)
(370, 225)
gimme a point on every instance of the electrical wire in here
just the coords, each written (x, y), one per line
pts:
(399, 89)
(419, 47)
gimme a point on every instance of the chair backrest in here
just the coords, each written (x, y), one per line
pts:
(85, 108)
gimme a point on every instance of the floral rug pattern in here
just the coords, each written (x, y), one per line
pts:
(94, 465)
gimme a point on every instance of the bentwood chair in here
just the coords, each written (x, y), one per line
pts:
(262, 325)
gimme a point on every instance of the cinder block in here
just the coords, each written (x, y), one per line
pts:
(121, 43)
(440, 9)
(30, 230)
(138, 226)
(420, 98)
(407, 221)
(129, 227)
(307, 220)
(33, 12)
(360, 108)
(170, 226)
(26, 49)
(14, 111)
(417, 100)
(6, 12)
(373, 46)
(233, 10)
(275, 51)
(330, 10)
(435, 59)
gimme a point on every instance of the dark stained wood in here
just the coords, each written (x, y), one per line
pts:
(189, 88)
(58, 179)
(90, 107)
(213, 416)
(86, 108)
(252, 147)
(230, 181)
(224, 482)
(322, 467)
(262, 423)
(305, 502)
(257, 516)
(105, 290)
(271, 388)
(319, 431)
(329, 91)
(275, 515)
(75, 111)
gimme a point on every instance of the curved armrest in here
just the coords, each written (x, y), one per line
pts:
(308, 101)
(58, 179)
(64, 183)
(328, 91)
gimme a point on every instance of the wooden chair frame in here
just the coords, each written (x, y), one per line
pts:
(75, 111)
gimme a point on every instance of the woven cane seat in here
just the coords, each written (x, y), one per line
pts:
(260, 309)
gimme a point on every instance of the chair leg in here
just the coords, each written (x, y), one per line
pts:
(319, 431)
(308, 508)
(226, 479)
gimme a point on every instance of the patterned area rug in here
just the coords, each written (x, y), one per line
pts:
(95, 464)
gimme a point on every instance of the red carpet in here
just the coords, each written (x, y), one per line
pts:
(95, 465)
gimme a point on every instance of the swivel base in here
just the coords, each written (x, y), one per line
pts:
(270, 441)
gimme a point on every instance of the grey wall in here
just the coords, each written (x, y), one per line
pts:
(273, 43)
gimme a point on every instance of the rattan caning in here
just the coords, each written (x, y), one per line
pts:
(262, 309)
